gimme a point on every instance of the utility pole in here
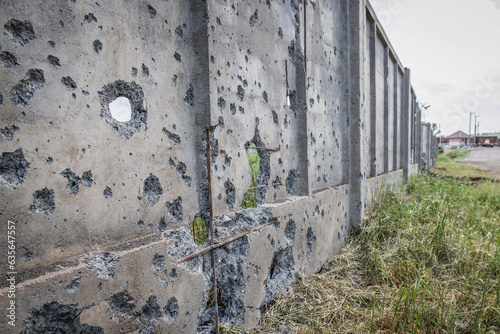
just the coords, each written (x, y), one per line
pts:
(475, 122)
(470, 121)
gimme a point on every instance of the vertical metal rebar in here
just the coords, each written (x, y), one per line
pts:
(212, 230)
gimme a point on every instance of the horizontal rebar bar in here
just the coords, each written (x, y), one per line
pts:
(222, 243)
(265, 186)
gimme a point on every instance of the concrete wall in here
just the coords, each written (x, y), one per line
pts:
(103, 208)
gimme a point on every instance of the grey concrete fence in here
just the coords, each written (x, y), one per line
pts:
(129, 128)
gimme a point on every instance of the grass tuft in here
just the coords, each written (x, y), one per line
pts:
(427, 260)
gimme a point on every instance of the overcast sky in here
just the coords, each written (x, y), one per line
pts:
(453, 50)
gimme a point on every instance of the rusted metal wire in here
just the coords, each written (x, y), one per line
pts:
(209, 162)
(222, 243)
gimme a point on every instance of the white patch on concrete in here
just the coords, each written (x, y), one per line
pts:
(120, 109)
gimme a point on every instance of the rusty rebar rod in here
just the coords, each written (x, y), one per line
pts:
(210, 203)
(222, 243)
(266, 186)
(266, 149)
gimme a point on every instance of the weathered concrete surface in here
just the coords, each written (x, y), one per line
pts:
(103, 208)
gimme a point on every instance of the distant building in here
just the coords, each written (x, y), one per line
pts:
(458, 138)
(487, 141)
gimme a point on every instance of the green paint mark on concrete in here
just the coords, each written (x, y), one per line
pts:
(250, 200)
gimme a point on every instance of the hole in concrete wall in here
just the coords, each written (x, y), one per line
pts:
(250, 200)
(120, 109)
(260, 167)
(291, 182)
(198, 231)
(175, 210)
(133, 92)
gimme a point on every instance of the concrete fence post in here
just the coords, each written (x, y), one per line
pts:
(356, 17)
(405, 126)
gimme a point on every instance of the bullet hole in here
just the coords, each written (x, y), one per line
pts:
(189, 97)
(13, 169)
(152, 190)
(177, 57)
(43, 201)
(268, 3)
(74, 180)
(178, 32)
(152, 11)
(162, 225)
(181, 173)
(49, 160)
(74, 285)
(69, 83)
(52, 44)
(90, 17)
(20, 31)
(217, 19)
(84, 92)
(291, 182)
(245, 83)
(103, 264)
(134, 71)
(120, 109)
(23, 91)
(290, 232)
(280, 32)
(121, 304)
(97, 45)
(221, 122)
(140, 224)
(171, 310)
(264, 95)
(145, 70)
(240, 93)
(8, 59)
(158, 262)
(212, 59)
(254, 18)
(61, 23)
(230, 194)
(241, 109)
(8, 132)
(174, 79)
(221, 103)
(173, 138)
(1, 98)
(134, 94)
(150, 314)
(108, 193)
(174, 209)
(58, 318)
(275, 117)
(311, 239)
(28, 255)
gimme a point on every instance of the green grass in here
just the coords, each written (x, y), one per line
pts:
(427, 260)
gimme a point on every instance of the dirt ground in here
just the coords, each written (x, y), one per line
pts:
(485, 158)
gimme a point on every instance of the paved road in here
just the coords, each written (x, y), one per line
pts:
(485, 158)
